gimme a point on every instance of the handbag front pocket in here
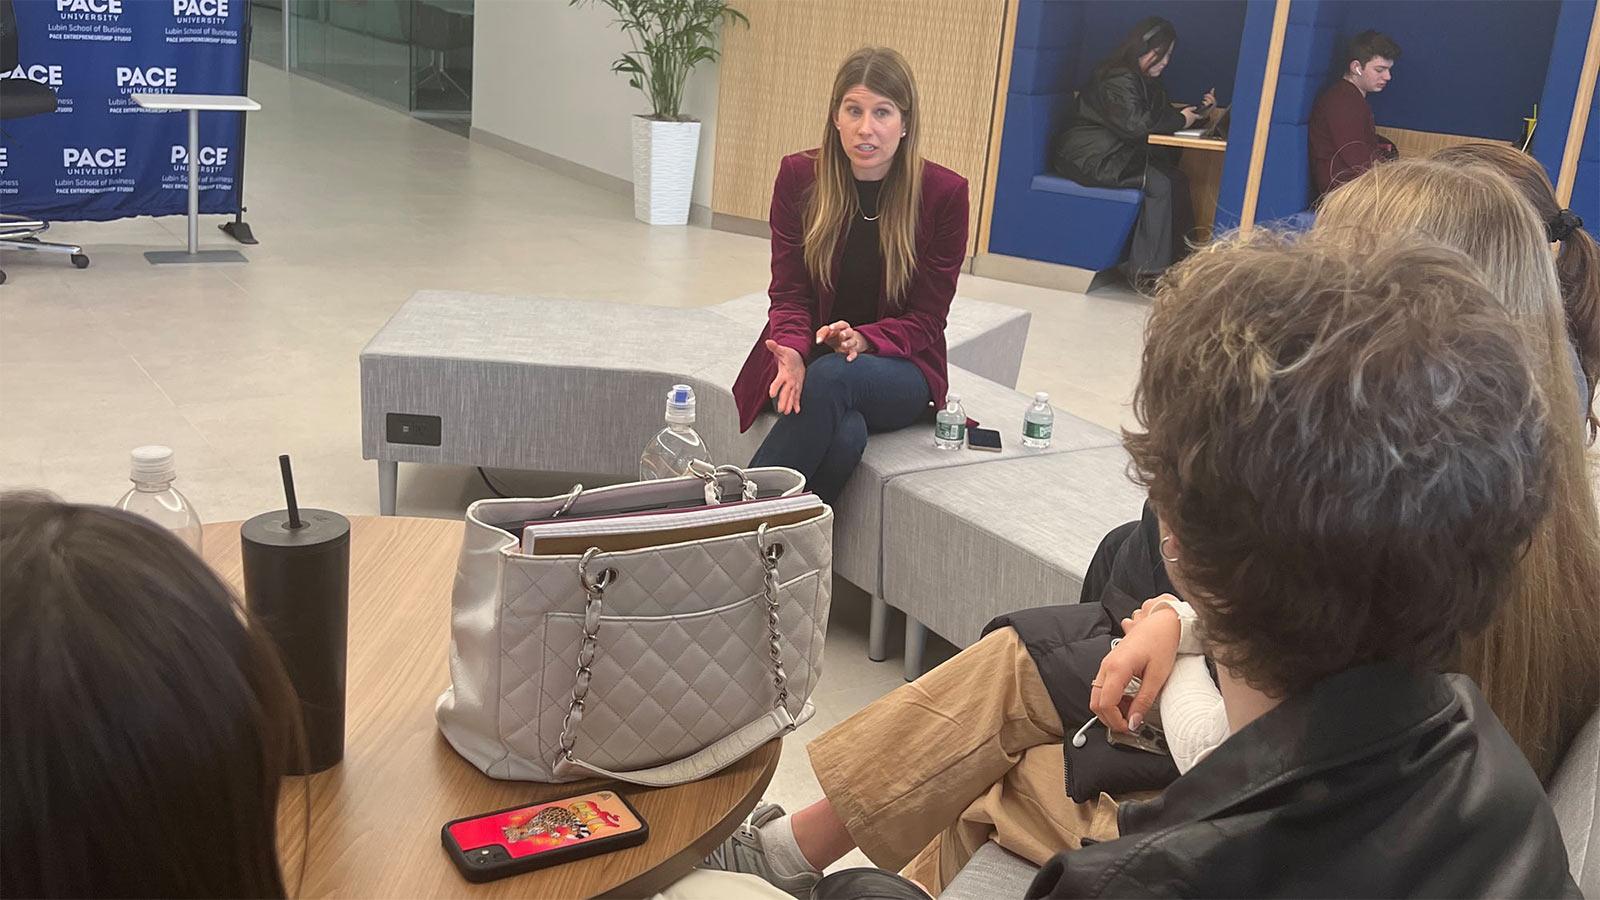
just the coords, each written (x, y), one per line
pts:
(664, 687)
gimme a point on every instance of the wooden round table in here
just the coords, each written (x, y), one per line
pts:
(376, 817)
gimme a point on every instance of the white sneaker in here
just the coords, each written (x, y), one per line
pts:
(745, 852)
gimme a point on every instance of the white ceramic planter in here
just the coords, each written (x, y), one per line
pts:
(663, 169)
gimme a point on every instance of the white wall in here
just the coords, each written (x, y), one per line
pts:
(542, 77)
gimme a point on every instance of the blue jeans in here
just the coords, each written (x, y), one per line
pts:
(840, 404)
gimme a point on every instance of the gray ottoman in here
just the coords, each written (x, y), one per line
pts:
(992, 872)
(861, 533)
(557, 385)
(962, 546)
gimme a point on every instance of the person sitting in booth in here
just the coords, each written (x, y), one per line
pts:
(1106, 144)
(868, 239)
(1344, 137)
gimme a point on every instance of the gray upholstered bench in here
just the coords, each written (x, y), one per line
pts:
(559, 385)
(965, 545)
(867, 551)
(992, 872)
(562, 385)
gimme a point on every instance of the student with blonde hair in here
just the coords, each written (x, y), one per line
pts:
(868, 239)
(1577, 259)
(1537, 662)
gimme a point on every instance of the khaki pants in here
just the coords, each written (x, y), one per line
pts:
(968, 752)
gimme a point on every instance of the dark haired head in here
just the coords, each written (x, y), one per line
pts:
(1369, 44)
(146, 727)
(1151, 33)
(1349, 447)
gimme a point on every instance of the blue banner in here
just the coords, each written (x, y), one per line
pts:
(101, 156)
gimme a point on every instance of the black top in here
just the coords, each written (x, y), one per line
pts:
(860, 281)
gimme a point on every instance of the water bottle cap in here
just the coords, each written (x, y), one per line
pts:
(680, 405)
(952, 397)
(153, 464)
(1041, 397)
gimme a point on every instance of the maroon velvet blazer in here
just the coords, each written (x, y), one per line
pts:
(915, 331)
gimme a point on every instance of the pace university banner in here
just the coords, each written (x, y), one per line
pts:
(99, 155)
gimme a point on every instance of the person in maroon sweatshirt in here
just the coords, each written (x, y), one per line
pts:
(1344, 140)
(868, 239)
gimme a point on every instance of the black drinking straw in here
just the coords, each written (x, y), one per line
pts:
(288, 491)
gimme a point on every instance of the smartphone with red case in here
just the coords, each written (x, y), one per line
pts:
(523, 838)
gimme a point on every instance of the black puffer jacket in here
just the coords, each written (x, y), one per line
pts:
(1104, 145)
(1377, 782)
(1068, 641)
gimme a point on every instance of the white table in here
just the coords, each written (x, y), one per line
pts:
(194, 104)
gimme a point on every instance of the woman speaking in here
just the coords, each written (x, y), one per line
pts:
(867, 241)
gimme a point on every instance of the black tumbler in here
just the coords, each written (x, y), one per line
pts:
(297, 585)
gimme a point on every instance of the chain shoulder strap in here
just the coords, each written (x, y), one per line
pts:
(771, 552)
(594, 589)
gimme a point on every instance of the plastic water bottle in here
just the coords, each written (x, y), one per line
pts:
(1038, 422)
(154, 497)
(950, 425)
(675, 447)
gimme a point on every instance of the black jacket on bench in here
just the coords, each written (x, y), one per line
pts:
(1067, 642)
(1106, 142)
(1377, 782)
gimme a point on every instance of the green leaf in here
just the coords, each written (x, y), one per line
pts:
(670, 38)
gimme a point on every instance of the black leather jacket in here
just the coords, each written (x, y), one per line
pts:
(1375, 783)
(1106, 143)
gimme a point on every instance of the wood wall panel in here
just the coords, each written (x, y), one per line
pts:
(775, 77)
(1422, 144)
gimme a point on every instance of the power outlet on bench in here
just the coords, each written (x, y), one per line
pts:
(406, 428)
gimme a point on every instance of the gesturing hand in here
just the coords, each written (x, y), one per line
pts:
(791, 378)
(843, 339)
(1190, 116)
(1148, 650)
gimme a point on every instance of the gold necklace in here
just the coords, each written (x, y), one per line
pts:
(863, 209)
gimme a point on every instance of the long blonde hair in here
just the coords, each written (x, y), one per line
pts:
(833, 203)
(1536, 663)
(1577, 262)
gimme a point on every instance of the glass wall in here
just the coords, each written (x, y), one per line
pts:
(266, 31)
(414, 55)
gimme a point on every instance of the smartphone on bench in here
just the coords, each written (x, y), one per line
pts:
(983, 439)
(523, 838)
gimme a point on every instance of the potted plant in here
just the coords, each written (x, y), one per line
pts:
(670, 38)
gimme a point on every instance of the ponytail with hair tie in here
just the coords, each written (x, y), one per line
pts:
(1562, 225)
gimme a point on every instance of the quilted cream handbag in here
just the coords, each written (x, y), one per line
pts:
(657, 665)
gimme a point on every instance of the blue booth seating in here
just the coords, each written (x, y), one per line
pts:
(1586, 189)
(1038, 214)
(1560, 93)
(1287, 188)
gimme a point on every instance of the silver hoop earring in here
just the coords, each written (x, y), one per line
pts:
(1163, 549)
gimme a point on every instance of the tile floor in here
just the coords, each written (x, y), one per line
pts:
(356, 207)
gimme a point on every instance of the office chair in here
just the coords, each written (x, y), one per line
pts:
(20, 97)
(439, 30)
